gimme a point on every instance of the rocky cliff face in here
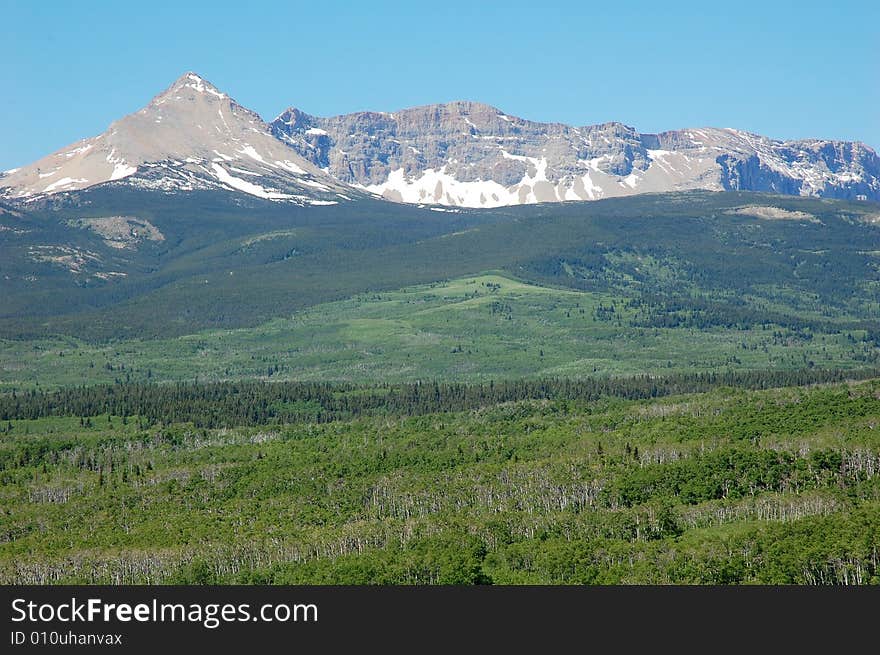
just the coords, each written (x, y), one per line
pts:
(474, 155)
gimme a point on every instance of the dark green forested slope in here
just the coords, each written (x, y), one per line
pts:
(729, 486)
(232, 262)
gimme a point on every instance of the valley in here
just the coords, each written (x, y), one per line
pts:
(674, 388)
(441, 345)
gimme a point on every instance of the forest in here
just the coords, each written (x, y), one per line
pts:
(231, 404)
(558, 482)
(226, 262)
(659, 389)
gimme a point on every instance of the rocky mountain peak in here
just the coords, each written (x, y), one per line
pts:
(187, 85)
(191, 136)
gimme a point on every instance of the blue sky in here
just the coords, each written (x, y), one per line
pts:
(784, 69)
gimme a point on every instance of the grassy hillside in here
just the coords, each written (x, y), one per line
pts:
(729, 486)
(469, 329)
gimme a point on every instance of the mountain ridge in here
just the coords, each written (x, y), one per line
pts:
(473, 154)
(192, 136)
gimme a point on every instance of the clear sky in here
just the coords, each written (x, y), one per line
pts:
(784, 69)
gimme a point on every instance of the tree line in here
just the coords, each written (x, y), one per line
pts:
(240, 403)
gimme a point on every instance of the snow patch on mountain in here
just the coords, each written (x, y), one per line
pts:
(122, 170)
(65, 182)
(244, 185)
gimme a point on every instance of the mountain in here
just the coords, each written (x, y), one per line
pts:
(474, 155)
(190, 137)
(195, 137)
